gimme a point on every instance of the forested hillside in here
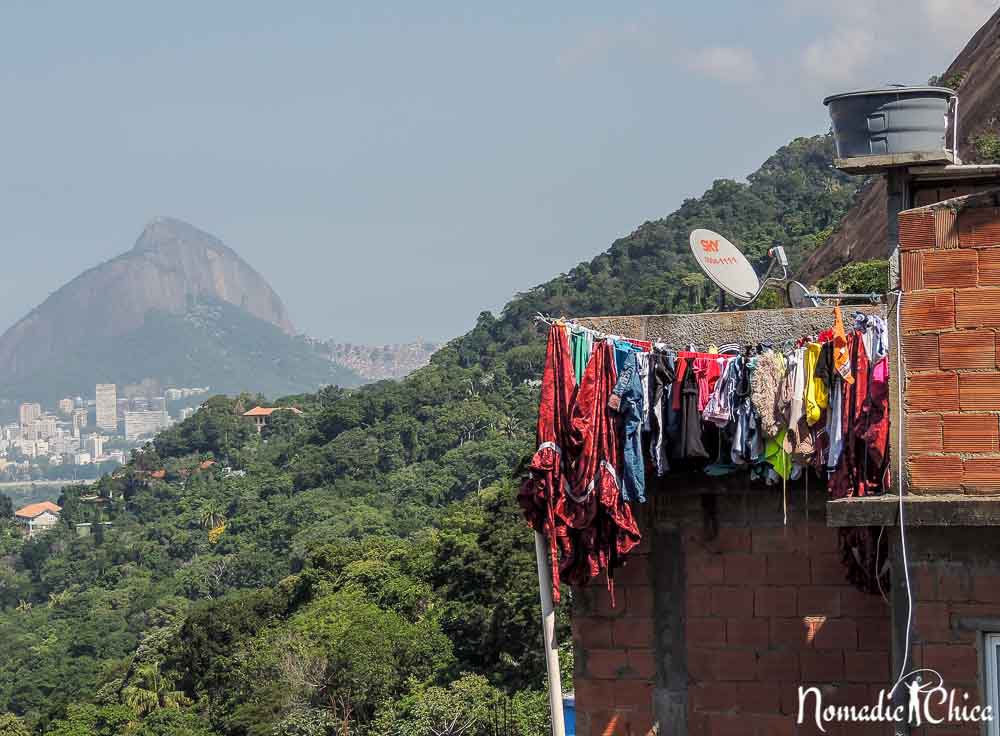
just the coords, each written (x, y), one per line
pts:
(362, 568)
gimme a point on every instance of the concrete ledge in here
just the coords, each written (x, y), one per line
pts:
(919, 510)
(875, 164)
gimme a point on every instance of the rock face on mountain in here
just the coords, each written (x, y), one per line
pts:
(862, 233)
(381, 362)
(172, 265)
(179, 309)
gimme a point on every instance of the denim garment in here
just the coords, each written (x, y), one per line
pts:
(631, 410)
(623, 350)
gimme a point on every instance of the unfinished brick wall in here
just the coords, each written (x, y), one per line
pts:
(950, 276)
(768, 610)
(955, 579)
(615, 652)
(722, 619)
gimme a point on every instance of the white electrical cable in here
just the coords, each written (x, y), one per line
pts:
(901, 471)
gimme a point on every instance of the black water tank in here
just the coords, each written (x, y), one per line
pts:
(880, 122)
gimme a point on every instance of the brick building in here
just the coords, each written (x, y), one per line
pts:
(725, 611)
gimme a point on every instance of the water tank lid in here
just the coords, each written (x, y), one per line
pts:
(929, 91)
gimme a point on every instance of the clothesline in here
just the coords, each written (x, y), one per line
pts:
(782, 345)
(614, 410)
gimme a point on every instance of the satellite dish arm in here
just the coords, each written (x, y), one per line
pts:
(767, 278)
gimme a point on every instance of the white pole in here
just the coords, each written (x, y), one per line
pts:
(549, 632)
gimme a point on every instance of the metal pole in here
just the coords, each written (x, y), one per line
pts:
(549, 634)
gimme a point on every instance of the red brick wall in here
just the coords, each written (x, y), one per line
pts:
(615, 657)
(956, 586)
(950, 274)
(765, 609)
(768, 609)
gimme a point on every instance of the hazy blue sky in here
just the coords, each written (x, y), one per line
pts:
(393, 169)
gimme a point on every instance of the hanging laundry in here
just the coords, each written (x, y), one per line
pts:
(816, 398)
(719, 409)
(627, 400)
(662, 378)
(688, 442)
(593, 504)
(581, 345)
(862, 469)
(769, 401)
(547, 473)
(865, 553)
(642, 360)
(841, 354)
(623, 349)
(824, 403)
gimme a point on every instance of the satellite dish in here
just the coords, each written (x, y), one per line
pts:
(724, 264)
(799, 296)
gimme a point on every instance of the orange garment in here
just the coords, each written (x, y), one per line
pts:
(841, 351)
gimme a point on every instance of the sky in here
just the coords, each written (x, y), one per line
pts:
(393, 169)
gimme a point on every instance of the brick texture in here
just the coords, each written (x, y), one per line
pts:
(950, 269)
(989, 267)
(945, 227)
(916, 230)
(967, 349)
(979, 227)
(925, 311)
(979, 391)
(970, 433)
(981, 475)
(977, 307)
(921, 352)
(923, 433)
(769, 609)
(935, 473)
(911, 271)
(932, 392)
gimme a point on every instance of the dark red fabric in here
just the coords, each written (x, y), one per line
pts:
(865, 553)
(644, 345)
(539, 493)
(574, 498)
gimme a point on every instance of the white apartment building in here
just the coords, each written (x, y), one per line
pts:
(27, 413)
(79, 421)
(107, 407)
(95, 446)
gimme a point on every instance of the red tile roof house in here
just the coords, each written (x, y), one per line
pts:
(261, 415)
(725, 612)
(38, 517)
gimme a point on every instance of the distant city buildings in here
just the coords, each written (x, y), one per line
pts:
(95, 446)
(79, 421)
(55, 442)
(177, 394)
(27, 413)
(144, 423)
(107, 407)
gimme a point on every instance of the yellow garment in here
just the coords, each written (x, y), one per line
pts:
(817, 398)
(775, 455)
(841, 353)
